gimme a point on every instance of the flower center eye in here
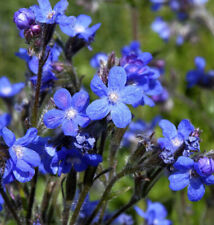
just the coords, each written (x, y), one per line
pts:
(71, 113)
(113, 97)
(19, 150)
(6, 90)
(79, 29)
(51, 14)
(177, 142)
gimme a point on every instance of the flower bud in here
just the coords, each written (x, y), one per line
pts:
(36, 29)
(206, 166)
(23, 18)
(58, 67)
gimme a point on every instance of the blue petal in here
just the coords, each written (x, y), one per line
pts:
(117, 78)
(184, 163)
(98, 87)
(4, 82)
(185, 128)
(158, 209)
(209, 180)
(179, 180)
(82, 120)
(168, 129)
(139, 211)
(29, 137)
(131, 94)
(8, 136)
(164, 222)
(195, 189)
(98, 109)
(93, 159)
(69, 128)
(121, 115)
(5, 119)
(23, 172)
(53, 118)
(148, 101)
(80, 101)
(31, 157)
(81, 166)
(17, 88)
(200, 63)
(84, 20)
(33, 64)
(40, 15)
(62, 98)
(45, 6)
(61, 6)
(165, 143)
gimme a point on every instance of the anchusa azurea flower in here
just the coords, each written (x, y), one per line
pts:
(175, 140)
(70, 113)
(192, 174)
(155, 213)
(113, 98)
(79, 27)
(8, 90)
(45, 14)
(198, 76)
(23, 157)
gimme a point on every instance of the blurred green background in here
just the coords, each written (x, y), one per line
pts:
(116, 31)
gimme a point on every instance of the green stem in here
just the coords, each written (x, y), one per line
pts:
(79, 204)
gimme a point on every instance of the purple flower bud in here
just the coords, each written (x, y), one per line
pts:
(23, 18)
(36, 29)
(58, 66)
(206, 165)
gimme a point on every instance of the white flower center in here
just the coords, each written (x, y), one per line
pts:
(113, 97)
(79, 29)
(6, 90)
(51, 14)
(70, 113)
(19, 150)
(177, 142)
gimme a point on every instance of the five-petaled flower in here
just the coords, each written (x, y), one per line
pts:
(155, 214)
(71, 112)
(113, 98)
(190, 173)
(45, 14)
(23, 157)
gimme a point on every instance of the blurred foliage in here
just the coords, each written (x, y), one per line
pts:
(116, 31)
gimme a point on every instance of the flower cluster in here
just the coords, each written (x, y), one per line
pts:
(198, 76)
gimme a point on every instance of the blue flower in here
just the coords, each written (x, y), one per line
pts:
(65, 159)
(162, 28)
(5, 120)
(23, 54)
(188, 174)
(162, 97)
(98, 59)
(123, 219)
(79, 27)
(155, 214)
(198, 76)
(113, 98)
(23, 158)
(8, 90)
(71, 112)
(132, 48)
(174, 139)
(23, 18)
(45, 14)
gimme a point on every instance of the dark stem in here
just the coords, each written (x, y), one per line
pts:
(42, 61)
(46, 198)
(9, 205)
